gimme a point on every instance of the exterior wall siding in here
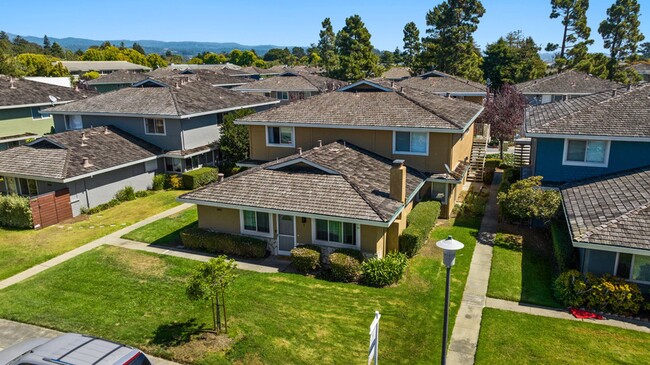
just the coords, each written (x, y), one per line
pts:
(19, 121)
(219, 219)
(200, 131)
(622, 156)
(373, 240)
(462, 146)
(378, 141)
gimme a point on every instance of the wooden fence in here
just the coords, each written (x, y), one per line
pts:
(51, 208)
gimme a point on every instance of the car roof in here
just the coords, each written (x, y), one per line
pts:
(82, 350)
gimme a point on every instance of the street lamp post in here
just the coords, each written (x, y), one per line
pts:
(449, 247)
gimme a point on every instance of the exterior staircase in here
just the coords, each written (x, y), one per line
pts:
(479, 149)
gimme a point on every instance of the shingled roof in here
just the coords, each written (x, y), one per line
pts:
(118, 77)
(191, 98)
(569, 82)
(337, 180)
(59, 157)
(293, 81)
(215, 77)
(625, 114)
(14, 92)
(397, 73)
(367, 104)
(442, 83)
(612, 210)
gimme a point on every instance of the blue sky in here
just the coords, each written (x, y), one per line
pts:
(286, 23)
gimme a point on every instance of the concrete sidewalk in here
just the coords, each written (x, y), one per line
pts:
(562, 314)
(87, 247)
(270, 264)
(12, 333)
(464, 337)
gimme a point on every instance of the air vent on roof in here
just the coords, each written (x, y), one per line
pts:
(86, 162)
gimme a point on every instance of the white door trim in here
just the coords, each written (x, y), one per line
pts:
(277, 217)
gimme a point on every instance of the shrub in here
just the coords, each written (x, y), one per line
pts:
(125, 194)
(525, 200)
(90, 75)
(305, 258)
(158, 182)
(15, 212)
(173, 181)
(200, 177)
(214, 242)
(381, 272)
(110, 204)
(562, 246)
(346, 264)
(607, 293)
(419, 224)
(143, 193)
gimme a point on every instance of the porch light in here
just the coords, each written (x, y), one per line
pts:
(449, 247)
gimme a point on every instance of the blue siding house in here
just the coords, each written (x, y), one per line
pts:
(596, 148)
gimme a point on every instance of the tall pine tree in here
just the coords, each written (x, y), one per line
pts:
(449, 46)
(356, 56)
(621, 35)
(327, 48)
(412, 48)
(575, 37)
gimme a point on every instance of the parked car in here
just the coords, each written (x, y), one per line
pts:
(72, 349)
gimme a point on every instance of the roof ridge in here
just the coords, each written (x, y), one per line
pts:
(615, 220)
(173, 95)
(402, 94)
(309, 81)
(363, 197)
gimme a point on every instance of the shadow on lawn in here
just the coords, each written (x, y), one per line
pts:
(173, 239)
(176, 333)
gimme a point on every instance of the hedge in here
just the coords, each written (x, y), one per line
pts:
(158, 182)
(346, 264)
(223, 243)
(562, 246)
(200, 177)
(381, 272)
(15, 212)
(305, 258)
(488, 170)
(419, 224)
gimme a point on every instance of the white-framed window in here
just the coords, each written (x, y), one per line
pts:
(581, 152)
(280, 136)
(193, 163)
(36, 113)
(335, 233)
(73, 122)
(633, 267)
(173, 164)
(411, 143)
(282, 95)
(255, 223)
(18, 186)
(154, 126)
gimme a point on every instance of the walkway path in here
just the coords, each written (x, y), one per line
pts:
(87, 247)
(464, 337)
(563, 314)
(12, 333)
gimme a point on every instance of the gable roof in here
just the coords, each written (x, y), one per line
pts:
(118, 77)
(85, 66)
(215, 77)
(367, 104)
(293, 81)
(338, 180)
(625, 115)
(567, 82)
(26, 92)
(59, 157)
(611, 210)
(190, 99)
(440, 82)
(397, 73)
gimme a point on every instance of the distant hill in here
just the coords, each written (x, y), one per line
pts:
(186, 48)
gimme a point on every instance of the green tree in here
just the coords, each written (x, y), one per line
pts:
(621, 35)
(524, 201)
(412, 49)
(356, 56)
(105, 45)
(57, 50)
(209, 282)
(298, 52)
(233, 142)
(594, 64)
(387, 59)
(644, 50)
(277, 54)
(92, 54)
(214, 58)
(449, 46)
(29, 64)
(575, 37)
(137, 47)
(47, 46)
(154, 60)
(398, 57)
(512, 60)
(196, 61)
(327, 48)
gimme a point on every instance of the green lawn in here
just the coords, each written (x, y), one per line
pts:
(22, 249)
(138, 298)
(517, 338)
(522, 266)
(165, 231)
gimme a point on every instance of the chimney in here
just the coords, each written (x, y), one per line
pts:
(614, 92)
(320, 143)
(220, 177)
(300, 151)
(398, 181)
(86, 163)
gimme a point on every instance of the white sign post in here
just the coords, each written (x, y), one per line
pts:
(373, 351)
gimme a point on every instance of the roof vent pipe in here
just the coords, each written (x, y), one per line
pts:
(86, 162)
(106, 130)
(220, 177)
(629, 87)
(300, 150)
(614, 92)
(320, 143)
(11, 83)
(83, 136)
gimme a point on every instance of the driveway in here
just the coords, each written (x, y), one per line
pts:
(12, 333)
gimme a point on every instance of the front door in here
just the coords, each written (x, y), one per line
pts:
(286, 234)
